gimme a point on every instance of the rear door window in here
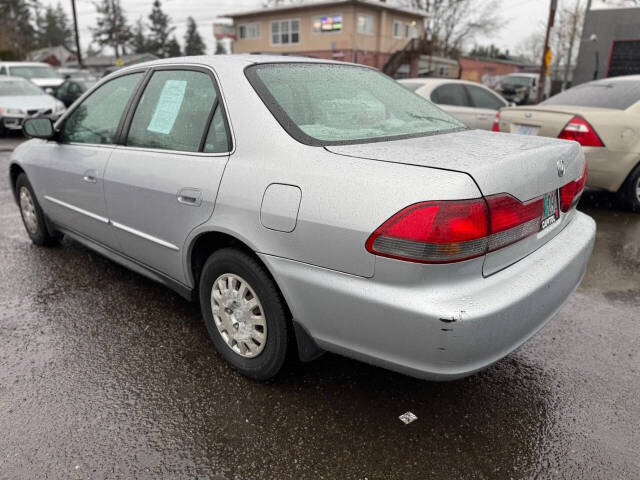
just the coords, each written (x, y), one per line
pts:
(174, 111)
(450, 94)
(482, 98)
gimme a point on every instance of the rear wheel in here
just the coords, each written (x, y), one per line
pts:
(244, 313)
(629, 193)
(32, 215)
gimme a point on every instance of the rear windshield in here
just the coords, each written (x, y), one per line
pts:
(618, 95)
(326, 104)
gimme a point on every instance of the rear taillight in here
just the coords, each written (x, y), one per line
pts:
(570, 193)
(496, 123)
(452, 231)
(581, 131)
(512, 220)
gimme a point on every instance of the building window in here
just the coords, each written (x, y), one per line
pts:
(397, 29)
(327, 24)
(410, 30)
(249, 30)
(284, 32)
(365, 24)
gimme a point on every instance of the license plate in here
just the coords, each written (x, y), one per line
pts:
(525, 130)
(551, 211)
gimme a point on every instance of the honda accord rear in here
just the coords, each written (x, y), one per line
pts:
(314, 204)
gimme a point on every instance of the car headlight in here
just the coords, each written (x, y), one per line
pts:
(59, 106)
(11, 111)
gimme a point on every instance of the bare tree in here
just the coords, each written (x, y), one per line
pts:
(453, 24)
(565, 38)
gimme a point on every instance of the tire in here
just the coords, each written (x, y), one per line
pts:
(629, 193)
(245, 346)
(32, 215)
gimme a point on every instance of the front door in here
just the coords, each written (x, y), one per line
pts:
(74, 193)
(164, 181)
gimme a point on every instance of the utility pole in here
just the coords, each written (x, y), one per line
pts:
(543, 66)
(75, 29)
(572, 37)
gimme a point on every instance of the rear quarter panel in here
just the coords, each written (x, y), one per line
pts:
(610, 165)
(343, 199)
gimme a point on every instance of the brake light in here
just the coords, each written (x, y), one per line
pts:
(581, 131)
(570, 193)
(496, 123)
(512, 220)
(452, 231)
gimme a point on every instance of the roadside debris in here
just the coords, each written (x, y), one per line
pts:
(407, 418)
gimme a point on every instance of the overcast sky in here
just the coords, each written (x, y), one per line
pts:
(521, 17)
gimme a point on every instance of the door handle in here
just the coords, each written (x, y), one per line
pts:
(190, 196)
(90, 176)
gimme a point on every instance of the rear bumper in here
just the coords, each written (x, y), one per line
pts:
(436, 323)
(608, 170)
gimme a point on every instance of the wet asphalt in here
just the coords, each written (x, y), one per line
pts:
(104, 374)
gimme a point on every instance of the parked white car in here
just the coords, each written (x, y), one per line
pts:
(472, 103)
(42, 74)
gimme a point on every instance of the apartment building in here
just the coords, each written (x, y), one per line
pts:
(360, 31)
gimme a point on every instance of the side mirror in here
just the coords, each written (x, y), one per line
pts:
(38, 128)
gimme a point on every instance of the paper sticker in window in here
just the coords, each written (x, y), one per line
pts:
(168, 106)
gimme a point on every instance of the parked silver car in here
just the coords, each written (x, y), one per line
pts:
(20, 99)
(314, 205)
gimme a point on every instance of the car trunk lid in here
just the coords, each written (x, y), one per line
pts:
(540, 120)
(526, 167)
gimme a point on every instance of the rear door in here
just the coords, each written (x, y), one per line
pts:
(73, 180)
(453, 99)
(163, 181)
(486, 105)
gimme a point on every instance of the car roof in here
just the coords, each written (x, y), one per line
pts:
(24, 64)
(4, 78)
(621, 78)
(438, 81)
(522, 74)
(232, 61)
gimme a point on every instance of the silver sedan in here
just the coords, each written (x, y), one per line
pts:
(314, 206)
(20, 99)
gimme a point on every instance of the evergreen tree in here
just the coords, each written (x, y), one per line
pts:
(160, 30)
(17, 31)
(111, 27)
(54, 28)
(193, 43)
(173, 48)
(139, 42)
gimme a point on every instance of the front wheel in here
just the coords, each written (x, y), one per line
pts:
(244, 313)
(32, 215)
(629, 193)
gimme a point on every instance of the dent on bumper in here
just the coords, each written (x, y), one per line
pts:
(437, 331)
